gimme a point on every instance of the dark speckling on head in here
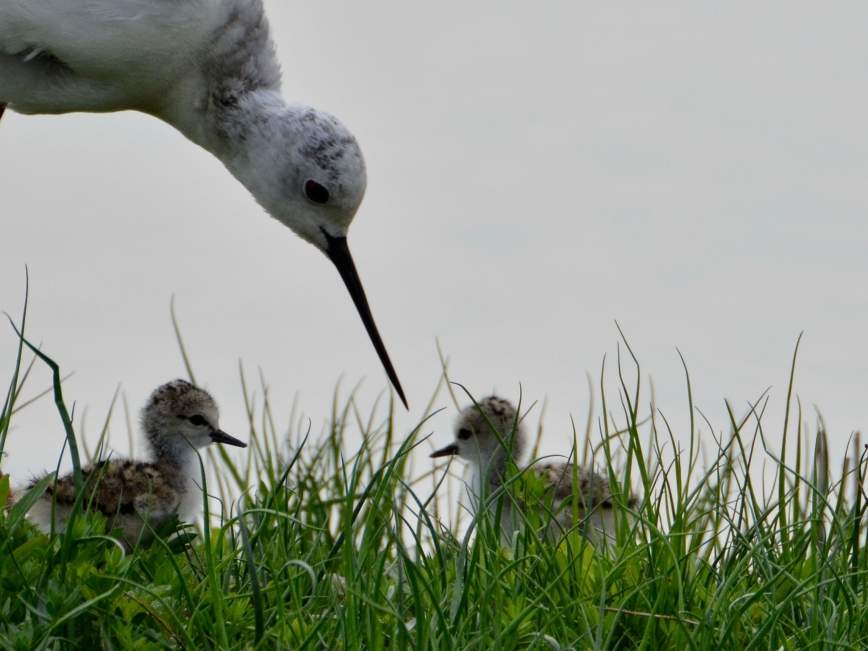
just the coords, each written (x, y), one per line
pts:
(332, 145)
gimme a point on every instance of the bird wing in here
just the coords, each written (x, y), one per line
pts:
(118, 488)
(557, 477)
(116, 54)
(593, 488)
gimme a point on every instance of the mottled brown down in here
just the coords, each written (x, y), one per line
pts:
(122, 487)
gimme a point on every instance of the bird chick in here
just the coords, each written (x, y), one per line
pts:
(178, 419)
(483, 436)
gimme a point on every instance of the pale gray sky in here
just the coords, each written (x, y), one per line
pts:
(536, 172)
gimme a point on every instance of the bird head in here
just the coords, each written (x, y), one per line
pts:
(483, 433)
(179, 415)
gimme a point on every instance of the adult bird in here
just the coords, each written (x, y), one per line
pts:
(208, 68)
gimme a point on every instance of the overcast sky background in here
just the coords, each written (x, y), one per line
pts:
(536, 171)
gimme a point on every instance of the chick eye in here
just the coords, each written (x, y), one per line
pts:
(464, 433)
(198, 420)
(315, 192)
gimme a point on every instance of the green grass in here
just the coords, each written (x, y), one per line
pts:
(333, 547)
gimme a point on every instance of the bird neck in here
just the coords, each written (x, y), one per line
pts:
(175, 452)
(252, 137)
(490, 471)
(222, 125)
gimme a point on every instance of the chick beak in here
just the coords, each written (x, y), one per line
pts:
(448, 451)
(219, 436)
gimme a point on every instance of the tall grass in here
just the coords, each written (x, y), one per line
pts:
(317, 544)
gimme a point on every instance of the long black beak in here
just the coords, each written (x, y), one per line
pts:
(338, 252)
(219, 436)
(448, 451)
(2, 108)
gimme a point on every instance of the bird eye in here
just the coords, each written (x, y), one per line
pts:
(315, 192)
(198, 420)
(464, 433)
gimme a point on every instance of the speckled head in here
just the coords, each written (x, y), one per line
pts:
(477, 443)
(301, 164)
(331, 175)
(179, 417)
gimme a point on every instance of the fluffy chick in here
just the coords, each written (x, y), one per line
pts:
(483, 436)
(177, 420)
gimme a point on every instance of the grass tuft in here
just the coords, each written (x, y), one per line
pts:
(344, 547)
